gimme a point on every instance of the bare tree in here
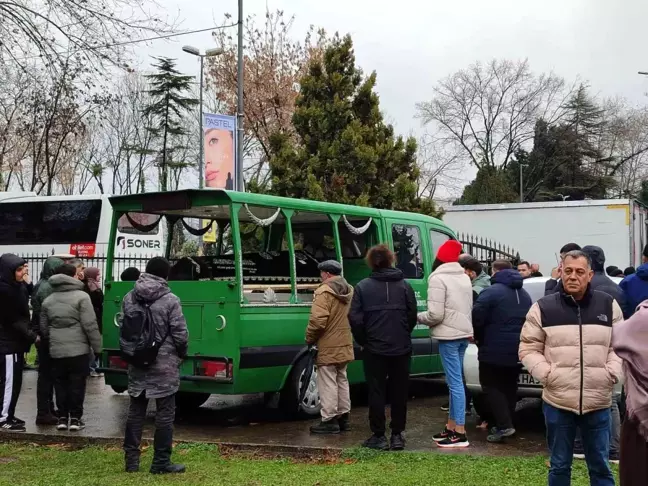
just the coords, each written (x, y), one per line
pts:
(488, 111)
(442, 171)
(274, 66)
(96, 32)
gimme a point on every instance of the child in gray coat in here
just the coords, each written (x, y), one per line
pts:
(68, 322)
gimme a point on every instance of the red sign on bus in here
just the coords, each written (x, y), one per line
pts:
(83, 250)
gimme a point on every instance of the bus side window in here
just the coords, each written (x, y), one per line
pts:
(436, 240)
(407, 246)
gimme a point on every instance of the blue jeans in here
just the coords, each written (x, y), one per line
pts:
(615, 433)
(452, 357)
(561, 432)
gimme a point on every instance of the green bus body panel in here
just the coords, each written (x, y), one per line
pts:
(262, 341)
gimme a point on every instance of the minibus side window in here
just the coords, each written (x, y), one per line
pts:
(436, 240)
(407, 246)
(313, 242)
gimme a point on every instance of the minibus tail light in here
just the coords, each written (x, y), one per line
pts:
(219, 369)
(117, 363)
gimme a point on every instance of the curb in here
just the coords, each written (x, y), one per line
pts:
(278, 450)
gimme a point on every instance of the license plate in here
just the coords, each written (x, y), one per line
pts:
(527, 379)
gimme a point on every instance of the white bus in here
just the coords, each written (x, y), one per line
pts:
(38, 226)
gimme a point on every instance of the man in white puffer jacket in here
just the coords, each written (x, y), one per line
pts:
(449, 315)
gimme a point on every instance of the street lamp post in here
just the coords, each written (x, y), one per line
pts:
(208, 53)
(239, 104)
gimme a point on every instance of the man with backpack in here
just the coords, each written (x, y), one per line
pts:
(154, 340)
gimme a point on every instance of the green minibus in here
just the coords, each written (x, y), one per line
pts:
(248, 298)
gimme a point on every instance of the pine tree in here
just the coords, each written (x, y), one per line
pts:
(169, 106)
(343, 151)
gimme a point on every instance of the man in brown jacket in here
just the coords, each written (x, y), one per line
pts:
(566, 344)
(328, 328)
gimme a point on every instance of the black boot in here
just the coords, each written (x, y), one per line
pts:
(132, 460)
(162, 443)
(343, 420)
(397, 442)
(323, 428)
(377, 442)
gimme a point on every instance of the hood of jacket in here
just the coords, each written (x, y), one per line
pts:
(339, 288)
(64, 283)
(8, 265)
(51, 265)
(597, 256)
(642, 271)
(452, 268)
(510, 278)
(387, 275)
(481, 282)
(150, 288)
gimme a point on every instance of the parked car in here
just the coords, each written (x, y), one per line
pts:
(528, 385)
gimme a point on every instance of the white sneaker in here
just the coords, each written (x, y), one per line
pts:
(579, 456)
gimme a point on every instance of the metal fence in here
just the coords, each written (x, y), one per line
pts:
(37, 260)
(487, 251)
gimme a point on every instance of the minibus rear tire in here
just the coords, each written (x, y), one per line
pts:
(289, 397)
(189, 402)
(118, 389)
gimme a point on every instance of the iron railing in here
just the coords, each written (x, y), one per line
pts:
(487, 251)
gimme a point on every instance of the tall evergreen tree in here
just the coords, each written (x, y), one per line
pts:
(343, 151)
(168, 107)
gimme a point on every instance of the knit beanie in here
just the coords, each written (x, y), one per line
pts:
(158, 266)
(449, 252)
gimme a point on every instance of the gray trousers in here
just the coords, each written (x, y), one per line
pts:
(615, 432)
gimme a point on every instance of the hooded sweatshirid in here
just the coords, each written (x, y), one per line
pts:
(635, 288)
(15, 330)
(161, 379)
(328, 326)
(498, 316)
(43, 289)
(600, 281)
(449, 303)
(383, 313)
(67, 319)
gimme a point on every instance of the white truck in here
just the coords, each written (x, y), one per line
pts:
(538, 230)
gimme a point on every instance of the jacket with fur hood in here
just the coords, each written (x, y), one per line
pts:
(67, 319)
(328, 326)
(449, 303)
(567, 346)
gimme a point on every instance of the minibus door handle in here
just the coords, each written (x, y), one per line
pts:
(224, 323)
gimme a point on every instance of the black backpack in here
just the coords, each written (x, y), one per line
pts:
(137, 337)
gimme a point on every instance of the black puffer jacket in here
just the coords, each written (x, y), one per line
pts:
(15, 333)
(383, 313)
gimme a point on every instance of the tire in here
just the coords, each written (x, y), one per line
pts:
(189, 402)
(289, 397)
(118, 389)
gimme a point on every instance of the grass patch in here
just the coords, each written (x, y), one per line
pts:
(30, 358)
(29, 464)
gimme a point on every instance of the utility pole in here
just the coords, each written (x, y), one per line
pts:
(239, 104)
(521, 183)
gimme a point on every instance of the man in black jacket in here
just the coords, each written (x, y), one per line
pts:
(15, 337)
(382, 317)
(553, 284)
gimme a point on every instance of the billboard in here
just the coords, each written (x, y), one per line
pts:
(220, 150)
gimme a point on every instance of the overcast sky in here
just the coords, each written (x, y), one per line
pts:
(413, 43)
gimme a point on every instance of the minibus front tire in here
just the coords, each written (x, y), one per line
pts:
(289, 397)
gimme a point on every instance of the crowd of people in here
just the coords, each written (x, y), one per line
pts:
(574, 341)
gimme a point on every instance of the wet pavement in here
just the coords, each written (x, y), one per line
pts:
(245, 420)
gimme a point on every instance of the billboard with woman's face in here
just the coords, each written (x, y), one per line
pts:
(220, 145)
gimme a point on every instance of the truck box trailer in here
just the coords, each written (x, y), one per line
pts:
(538, 230)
